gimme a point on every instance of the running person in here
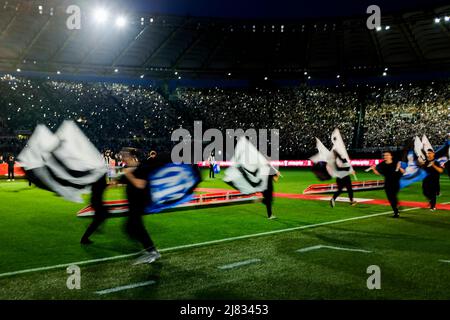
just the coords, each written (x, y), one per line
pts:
(101, 213)
(344, 182)
(430, 185)
(268, 193)
(392, 173)
(138, 194)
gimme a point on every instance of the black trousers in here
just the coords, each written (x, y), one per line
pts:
(430, 190)
(267, 201)
(268, 196)
(101, 213)
(211, 171)
(391, 193)
(136, 229)
(345, 182)
(10, 173)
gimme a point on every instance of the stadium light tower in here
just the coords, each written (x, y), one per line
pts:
(101, 15)
(121, 22)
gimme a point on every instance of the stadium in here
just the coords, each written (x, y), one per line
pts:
(101, 77)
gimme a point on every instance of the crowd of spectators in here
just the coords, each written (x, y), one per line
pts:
(118, 115)
(300, 114)
(394, 115)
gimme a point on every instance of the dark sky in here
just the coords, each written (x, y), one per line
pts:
(273, 8)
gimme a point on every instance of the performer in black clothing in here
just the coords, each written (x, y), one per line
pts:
(212, 162)
(430, 185)
(344, 182)
(138, 194)
(268, 193)
(10, 162)
(101, 213)
(392, 173)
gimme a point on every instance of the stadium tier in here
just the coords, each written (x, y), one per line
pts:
(117, 115)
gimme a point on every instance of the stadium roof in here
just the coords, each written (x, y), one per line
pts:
(34, 37)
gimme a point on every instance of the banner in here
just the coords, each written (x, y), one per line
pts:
(171, 185)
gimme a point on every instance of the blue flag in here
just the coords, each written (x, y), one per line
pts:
(171, 185)
(413, 173)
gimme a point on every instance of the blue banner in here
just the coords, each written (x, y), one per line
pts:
(413, 173)
(171, 185)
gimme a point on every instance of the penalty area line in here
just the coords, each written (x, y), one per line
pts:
(200, 244)
(238, 264)
(307, 249)
(127, 287)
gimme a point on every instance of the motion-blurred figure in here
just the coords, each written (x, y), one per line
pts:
(268, 193)
(392, 173)
(345, 182)
(138, 193)
(101, 212)
(430, 185)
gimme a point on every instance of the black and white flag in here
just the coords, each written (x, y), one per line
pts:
(250, 169)
(65, 162)
(322, 162)
(341, 165)
(421, 147)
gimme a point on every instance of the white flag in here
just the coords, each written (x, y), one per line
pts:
(323, 162)
(419, 149)
(66, 162)
(250, 169)
(324, 154)
(341, 164)
(426, 143)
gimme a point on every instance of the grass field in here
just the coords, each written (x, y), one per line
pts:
(200, 248)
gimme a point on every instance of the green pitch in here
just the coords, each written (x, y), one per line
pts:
(231, 252)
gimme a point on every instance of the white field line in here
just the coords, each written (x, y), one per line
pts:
(331, 247)
(130, 286)
(239, 264)
(193, 245)
(310, 248)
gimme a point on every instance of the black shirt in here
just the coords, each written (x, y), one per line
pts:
(10, 163)
(390, 173)
(433, 175)
(139, 199)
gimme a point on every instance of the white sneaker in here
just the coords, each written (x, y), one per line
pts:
(12, 179)
(272, 217)
(332, 202)
(148, 257)
(9, 179)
